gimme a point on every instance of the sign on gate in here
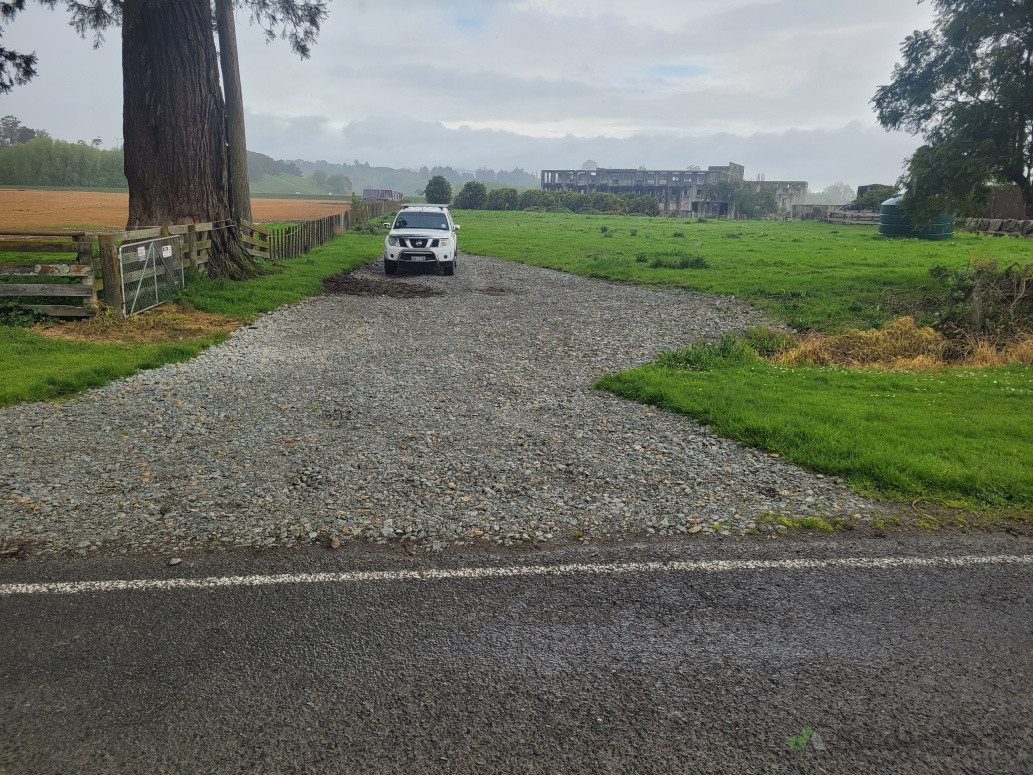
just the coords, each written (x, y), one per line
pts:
(152, 272)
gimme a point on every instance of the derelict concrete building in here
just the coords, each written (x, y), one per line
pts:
(679, 192)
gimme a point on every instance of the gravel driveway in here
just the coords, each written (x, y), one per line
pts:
(460, 417)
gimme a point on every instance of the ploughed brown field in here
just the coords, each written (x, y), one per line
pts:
(24, 210)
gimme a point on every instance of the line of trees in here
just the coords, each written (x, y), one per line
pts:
(41, 160)
(44, 161)
(475, 196)
(412, 182)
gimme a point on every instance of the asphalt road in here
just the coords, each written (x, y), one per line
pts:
(702, 669)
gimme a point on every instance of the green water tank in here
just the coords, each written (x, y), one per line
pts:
(893, 222)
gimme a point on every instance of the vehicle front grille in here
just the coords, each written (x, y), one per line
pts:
(418, 242)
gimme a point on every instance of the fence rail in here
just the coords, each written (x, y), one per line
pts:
(91, 278)
(853, 218)
(47, 283)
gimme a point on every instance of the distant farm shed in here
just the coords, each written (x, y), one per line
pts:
(381, 195)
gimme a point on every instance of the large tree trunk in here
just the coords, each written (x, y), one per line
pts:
(239, 190)
(174, 124)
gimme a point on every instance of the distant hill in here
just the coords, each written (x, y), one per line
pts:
(411, 182)
(285, 184)
(278, 176)
(42, 161)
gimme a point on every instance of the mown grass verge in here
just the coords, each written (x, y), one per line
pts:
(813, 276)
(34, 367)
(289, 282)
(957, 437)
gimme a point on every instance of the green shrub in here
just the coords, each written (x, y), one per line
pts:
(472, 196)
(984, 298)
(438, 191)
(11, 314)
(503, 199)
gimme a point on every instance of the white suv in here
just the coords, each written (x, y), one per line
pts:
(422, 234)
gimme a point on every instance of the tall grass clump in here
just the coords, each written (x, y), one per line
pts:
(673, 259)
(729, 350)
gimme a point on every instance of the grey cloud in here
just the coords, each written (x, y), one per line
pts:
(854, 153)
(785, 86)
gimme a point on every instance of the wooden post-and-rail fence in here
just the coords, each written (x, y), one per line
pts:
(61, 290)
(295, 239)
(73, 288)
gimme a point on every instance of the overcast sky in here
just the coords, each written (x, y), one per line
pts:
(781, 86)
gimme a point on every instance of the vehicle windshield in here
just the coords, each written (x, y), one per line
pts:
(418, 220)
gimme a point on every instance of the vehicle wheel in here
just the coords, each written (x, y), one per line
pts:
(448, 269)
(390, 267)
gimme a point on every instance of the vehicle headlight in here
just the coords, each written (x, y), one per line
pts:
(444, 243)
(392, 242)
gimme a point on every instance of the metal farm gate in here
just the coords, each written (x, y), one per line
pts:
(152, 272)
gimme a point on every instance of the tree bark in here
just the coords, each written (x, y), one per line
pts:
(174, 124)
(239, 189)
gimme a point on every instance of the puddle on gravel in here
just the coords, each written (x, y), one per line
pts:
(348, 284)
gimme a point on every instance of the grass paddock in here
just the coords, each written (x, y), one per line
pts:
(810, 275)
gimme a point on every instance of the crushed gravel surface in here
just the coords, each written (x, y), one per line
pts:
(467, 416)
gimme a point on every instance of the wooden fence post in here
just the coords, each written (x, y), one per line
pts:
(111, 272)
(192, 245)
(85, 258)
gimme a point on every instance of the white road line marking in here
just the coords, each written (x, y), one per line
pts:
(620, 568)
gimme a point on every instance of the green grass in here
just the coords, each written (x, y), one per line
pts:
(956, 436)
(811, 275)
(293, 280)
(35, 368)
